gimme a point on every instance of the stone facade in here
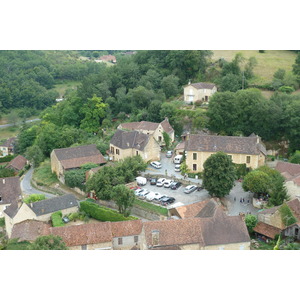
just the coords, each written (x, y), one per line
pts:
(192, 94)
(56, 167)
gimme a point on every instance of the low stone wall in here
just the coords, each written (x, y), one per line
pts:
(140, 212)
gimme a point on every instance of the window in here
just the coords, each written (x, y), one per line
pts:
(136, 238)
(248, 159)
(194, 156)
(159, 138)
(117, 151)
(194, 167)
(112, 150)
(83, 247)
(137, 153)
(120, 241)
(296, 231)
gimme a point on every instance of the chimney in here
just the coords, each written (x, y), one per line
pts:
(31, 204)
(155, 237)
(189, 81)
(19, 203)
(3, 180)
(257, 139)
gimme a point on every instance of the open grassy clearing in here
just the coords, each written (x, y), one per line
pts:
(8, 132)
(267, 63)
(151, 207)
(68, 85)
(43, 175)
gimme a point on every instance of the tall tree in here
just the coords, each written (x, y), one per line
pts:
(124, 198)
(48, 242)
(219, 174)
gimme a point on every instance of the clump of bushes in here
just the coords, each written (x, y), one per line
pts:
(56, 219)
(7, 158)
(102, 213)
(34, 198)
(81, 215)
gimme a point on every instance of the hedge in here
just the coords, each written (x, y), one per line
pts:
(56, 219)
(102, 213)
(7, 158)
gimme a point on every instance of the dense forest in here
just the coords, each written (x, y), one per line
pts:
(145, 86)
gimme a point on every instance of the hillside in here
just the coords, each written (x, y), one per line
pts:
(267, 63)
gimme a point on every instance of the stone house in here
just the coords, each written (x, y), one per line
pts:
(200, 91)
(40, 211)
(18, 163)
(242, 150)
(71, 158)
(10, 192)
(270, 221)
(131, 143)
(7, 148)
(291, 173)
(151, 128)
(214, 232)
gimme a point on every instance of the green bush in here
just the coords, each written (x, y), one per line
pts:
(56, 219)
(2, 222)
(102, 213)
(7, 158)
(193, 175)
(286, 214)
(241, 170)
(34, 198)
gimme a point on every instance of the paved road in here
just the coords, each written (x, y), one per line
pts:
(26, 187)
(28, 121)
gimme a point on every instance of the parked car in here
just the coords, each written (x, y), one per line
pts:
(177, 168)
(190, 188)
(200, 188)
(156, 164)
(65, 219)
(166, 200)
(169, 154)
(144, 193)
(141, 180)
(150, 196)
(160, 181)
(138, 191)
(158, 196)
(178, 159)
(167, 183)
(153, 181)
(175, 185)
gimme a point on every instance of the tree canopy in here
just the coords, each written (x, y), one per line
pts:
(49, 242)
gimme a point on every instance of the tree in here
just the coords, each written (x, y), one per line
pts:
(169, 85)
(167, 139)
(13, 118)
(48, 242)
(6, 172)
(295, 158)
(257, 182)
(124, 197)
(219, 174)
(35, 155)
(296, 67)
(94, 113)
(251, 222)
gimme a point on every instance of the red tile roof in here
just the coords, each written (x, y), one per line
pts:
(18, 163)
(267, 230)
(126, 228)
(292, 169)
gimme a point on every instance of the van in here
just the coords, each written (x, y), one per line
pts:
(141, 180)
(178, 159)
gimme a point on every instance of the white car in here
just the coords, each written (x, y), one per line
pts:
(177, 168)
(160, 181)
(138, 191)
(190, 189)
(144, 193)
(150, 196)
(156, 164)
(167, 183)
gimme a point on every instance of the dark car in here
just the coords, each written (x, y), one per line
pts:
(175, 185)
(166, 200)
(200, 188)
(153, 181)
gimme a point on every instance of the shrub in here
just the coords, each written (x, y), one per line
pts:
(102, 213)
(34, 198)
(286, 89)
(7, 158)
(287, 216)
(56, 219)
(2, 222)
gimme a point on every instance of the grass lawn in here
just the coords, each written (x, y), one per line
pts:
(43, 175)
(9, 132)
(62, 87)
(267, 63)
(151, 207)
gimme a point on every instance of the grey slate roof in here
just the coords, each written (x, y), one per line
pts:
(203, 85)
(227, 144)
(129, 139)
(53, 204)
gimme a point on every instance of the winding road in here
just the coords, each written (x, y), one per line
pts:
(28, 189)
(19, 123)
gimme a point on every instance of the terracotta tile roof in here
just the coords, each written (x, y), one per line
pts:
(208, 210)
(10, 190)
(130, 139)
(227, 144)
(286, 167)
(167, 126)
(85, 234)
(267, 230)
(29, 230)
(174, 232)
(294, 205)
(129, 126)
(75, 157)
(18, 163)
(9, 142)
(223, 229)
(203, 85)
(180, 145)
(108, 58)
(126, 228)
(297, 180)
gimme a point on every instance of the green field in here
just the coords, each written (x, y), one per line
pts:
(151, 207)
(67, 85)
(267, 63)
(8, 132)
